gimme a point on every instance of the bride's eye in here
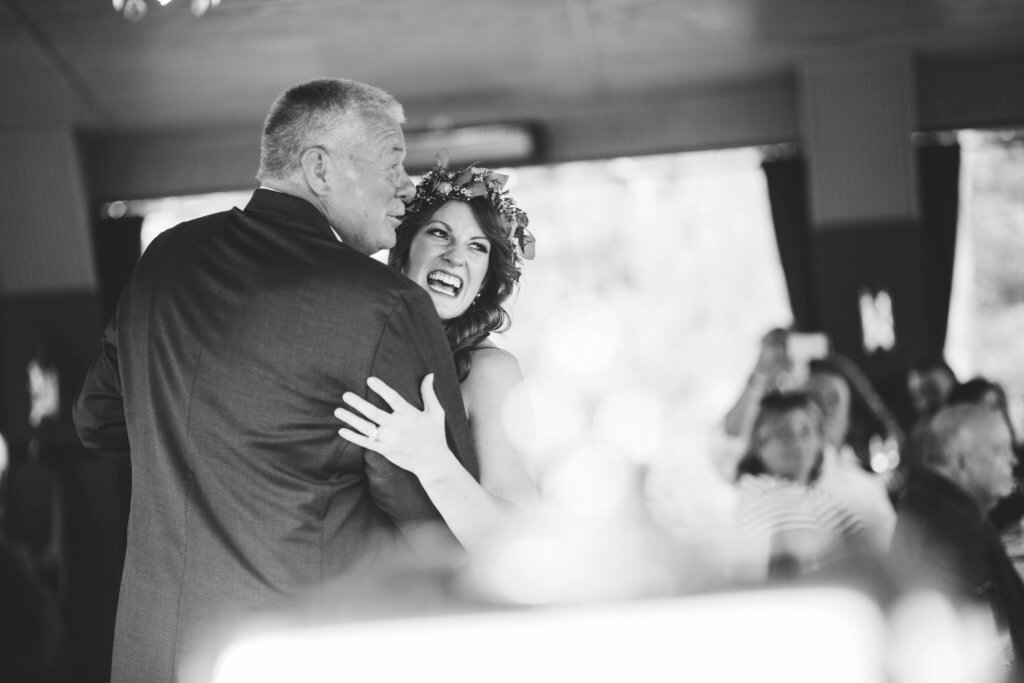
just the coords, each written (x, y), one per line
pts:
(482, 247)
(437, 232)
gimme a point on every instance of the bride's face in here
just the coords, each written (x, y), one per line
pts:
(448, 257)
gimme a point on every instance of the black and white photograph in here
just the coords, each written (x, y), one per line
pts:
(497, 341)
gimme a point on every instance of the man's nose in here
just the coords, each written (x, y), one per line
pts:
(406, 189)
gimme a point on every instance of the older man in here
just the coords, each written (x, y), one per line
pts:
(942, 539)
(233, 342)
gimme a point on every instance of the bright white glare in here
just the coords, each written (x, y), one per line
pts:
(629, 421)
(582, 340)
(791, 636)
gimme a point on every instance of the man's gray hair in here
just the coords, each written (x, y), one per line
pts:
(318, 112)
(951, 432)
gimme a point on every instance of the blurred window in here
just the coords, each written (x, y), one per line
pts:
(987, 309)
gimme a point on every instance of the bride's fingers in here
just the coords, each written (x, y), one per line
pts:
(368, 410)
(390, 396)
(355, 421)
(358, 439)
(430, 402)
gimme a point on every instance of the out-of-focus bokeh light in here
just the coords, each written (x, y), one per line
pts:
(560, 419)
(116, 210)
(590, 482)
(629, 421)
(583, 342)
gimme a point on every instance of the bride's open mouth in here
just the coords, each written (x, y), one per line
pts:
(444, 283)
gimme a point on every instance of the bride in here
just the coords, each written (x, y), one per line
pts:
(463, 240)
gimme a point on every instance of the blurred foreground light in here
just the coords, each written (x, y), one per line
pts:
(793, 636)
(630, 422)
(932, 642)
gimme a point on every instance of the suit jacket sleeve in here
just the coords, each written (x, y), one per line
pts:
(414, 344)
(99, 410)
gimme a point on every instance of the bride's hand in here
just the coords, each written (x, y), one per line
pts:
(410, 438)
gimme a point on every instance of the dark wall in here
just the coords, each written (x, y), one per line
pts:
(65, 505)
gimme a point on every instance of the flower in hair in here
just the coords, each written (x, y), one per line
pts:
(441, 183)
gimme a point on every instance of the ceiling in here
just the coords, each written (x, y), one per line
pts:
(447, 60)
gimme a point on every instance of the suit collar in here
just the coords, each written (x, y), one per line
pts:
(290, 207)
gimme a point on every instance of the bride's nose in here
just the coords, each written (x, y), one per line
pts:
(454, 255)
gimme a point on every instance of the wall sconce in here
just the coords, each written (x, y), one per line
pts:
(877, 322)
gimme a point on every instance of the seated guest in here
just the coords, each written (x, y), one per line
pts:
(1008, 514)
(929, 382)
(942, 539)
(980, 390)
(788, 527)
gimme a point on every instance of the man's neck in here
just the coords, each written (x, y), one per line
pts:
(285, 187)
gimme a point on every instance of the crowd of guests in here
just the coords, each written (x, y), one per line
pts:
(828, 478)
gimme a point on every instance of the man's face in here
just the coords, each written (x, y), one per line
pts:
(988, 467)
(369, 186)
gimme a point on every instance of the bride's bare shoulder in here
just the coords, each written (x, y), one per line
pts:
(492, 358)
(494, 370)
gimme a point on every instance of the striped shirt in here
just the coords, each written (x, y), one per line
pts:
(777, 517)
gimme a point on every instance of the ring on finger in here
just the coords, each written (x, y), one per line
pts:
(372, 436)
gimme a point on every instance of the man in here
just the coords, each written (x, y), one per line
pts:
(218, 374)
(942, 539)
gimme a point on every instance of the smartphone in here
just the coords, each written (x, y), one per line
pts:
(803, 347)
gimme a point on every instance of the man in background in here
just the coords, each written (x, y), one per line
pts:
(942, 539)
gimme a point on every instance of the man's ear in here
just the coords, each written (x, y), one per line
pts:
(316, 170)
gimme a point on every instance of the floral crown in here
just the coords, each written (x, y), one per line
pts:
(440, 184)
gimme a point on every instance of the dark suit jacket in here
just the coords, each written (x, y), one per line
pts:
(943, 541)
(218, 375)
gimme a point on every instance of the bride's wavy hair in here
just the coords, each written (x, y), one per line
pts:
(486, 314)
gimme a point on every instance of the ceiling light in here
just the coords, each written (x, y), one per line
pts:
(134, 10)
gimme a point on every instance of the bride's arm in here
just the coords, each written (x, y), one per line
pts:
(414, 440)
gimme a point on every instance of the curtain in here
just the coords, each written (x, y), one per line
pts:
(939, 192)
(939, 177)
(787, 194)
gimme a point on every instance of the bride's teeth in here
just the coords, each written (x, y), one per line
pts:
(446, 279)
